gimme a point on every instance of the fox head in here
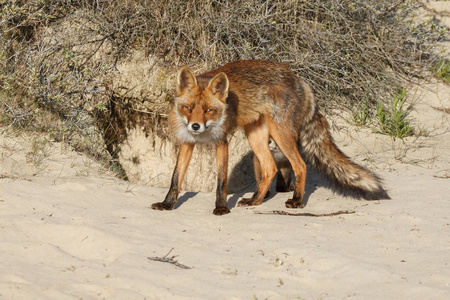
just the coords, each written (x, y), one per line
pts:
(199, 113)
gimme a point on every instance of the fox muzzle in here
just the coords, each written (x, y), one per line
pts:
(196, 128)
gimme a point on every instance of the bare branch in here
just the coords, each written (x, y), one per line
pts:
(280, 212)
(169, 260)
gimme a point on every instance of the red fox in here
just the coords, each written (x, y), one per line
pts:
(284, 180)
(267, 100)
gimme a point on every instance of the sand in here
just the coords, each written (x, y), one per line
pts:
(70, 230)
(90, 237)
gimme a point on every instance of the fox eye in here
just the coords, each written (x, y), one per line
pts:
(209, 110)
(187, 107)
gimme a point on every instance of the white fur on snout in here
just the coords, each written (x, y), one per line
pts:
(198, 131)
(210, 132)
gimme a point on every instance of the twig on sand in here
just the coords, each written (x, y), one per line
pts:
(3, 176)
(443, 109)
(442, 177)
(169, 260)
(280, 212)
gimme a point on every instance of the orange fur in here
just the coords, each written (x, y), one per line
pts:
(267, 100)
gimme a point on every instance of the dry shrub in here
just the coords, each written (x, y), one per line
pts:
(348, 51)
(57, 56)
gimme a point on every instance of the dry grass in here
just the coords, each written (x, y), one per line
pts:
(57, 57)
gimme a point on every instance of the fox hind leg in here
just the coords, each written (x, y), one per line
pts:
(258, 172)
(287, 141)
(258, 138)
(257, 169)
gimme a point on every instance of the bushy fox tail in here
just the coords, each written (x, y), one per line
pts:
(319, 150)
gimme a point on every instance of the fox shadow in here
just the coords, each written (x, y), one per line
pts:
(184, 198)
(242, 181)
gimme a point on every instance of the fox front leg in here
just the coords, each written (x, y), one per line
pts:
(184, 156)
(222, 179)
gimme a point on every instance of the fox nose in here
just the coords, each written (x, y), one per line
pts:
(195, 126)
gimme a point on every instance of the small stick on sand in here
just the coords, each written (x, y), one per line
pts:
(169, 260)
(443, 177)
(280, 212)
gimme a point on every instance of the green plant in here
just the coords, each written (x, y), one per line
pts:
(361, 115)
(442, 70)
(280, 282)
(393, 121)
(39, 152)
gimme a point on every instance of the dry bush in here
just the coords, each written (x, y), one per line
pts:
(49, 78)
(57, 56)
(347, 50)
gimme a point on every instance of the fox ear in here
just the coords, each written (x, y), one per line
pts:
(185, 80)
(219, 85)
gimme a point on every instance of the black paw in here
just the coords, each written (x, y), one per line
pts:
(218, 211)
(291, 203)
(248, 202)
(162, 206)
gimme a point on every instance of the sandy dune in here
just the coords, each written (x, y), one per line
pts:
(68, 231)
(71, 231)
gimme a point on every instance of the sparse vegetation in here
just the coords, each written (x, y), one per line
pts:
(442, 70)
(39, 152)
(280, 282)
(393, 119)
(58, 57)
(362, 114)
